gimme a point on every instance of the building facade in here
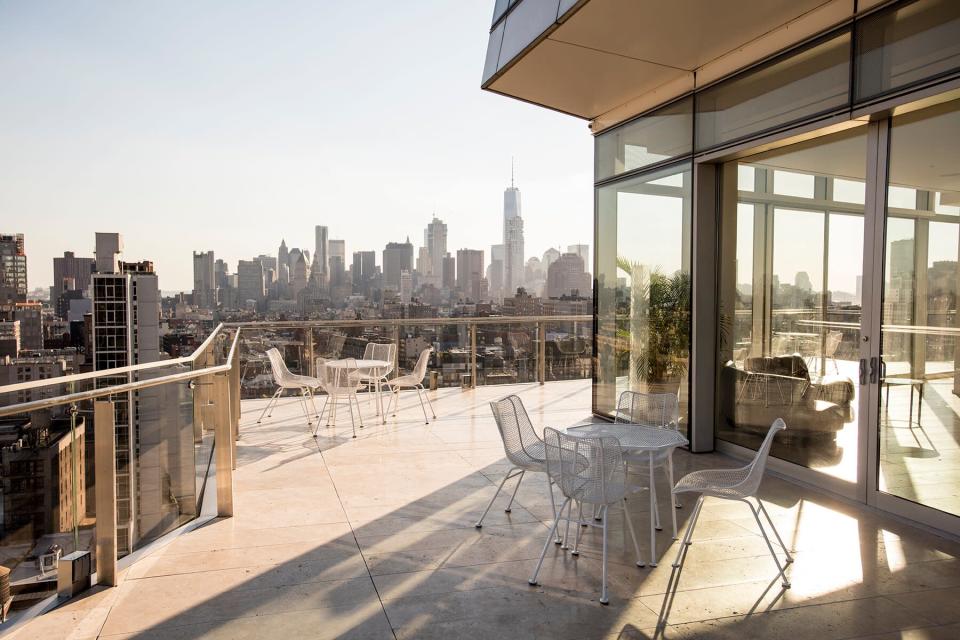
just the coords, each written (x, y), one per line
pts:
(204, 280)
(13, 268)
(397, 257)
(772, 193)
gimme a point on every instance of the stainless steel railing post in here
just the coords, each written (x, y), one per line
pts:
(541, 352)
(473, 356)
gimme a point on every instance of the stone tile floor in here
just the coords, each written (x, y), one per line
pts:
(374, 538)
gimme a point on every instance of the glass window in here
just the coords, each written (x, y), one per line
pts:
(919, 407)
(643, 287)
(790, 296)
(663, 134)
(911, 43)
(493, 52)
(524, 24)
(797, 86)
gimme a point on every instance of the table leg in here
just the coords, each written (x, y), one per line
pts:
(919, 403)
(653, 512)
(910, 414)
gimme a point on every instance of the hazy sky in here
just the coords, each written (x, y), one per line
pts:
(230, 125)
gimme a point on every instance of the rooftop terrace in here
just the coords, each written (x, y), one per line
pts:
(374, 538)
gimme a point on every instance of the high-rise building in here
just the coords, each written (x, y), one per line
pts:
(406, 286)
(397, 257)
(424, 264)
(449, 279)
(299, 272)
(70, 273)
(549, 256)
(13, 268)
(566, 276)
(251, 284)
(495, 271)
(435, 240)
(126, 331)
(513, 260)
(364, 271)
(204, 280)
(283, 259)
(582, 250)
(321, 256)
(470, 272)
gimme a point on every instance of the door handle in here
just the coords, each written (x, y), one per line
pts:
(863, 371)
(874, 370)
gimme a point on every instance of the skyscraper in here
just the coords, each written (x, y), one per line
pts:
(566, 276)
(71, 273)
(321, 255)
(397, 257)
(448, 281)
(126, 331)
(495, 271)
(513, 260)
(435, 240)
(250, 281)
(204, 280)
(582, 250)
(470, 272)
(363, 270)
(13, 268)
(283, 260)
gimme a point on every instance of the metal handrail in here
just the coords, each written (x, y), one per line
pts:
(90, 394)
(239, 326)
(116, 371)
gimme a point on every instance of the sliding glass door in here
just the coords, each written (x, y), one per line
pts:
(917, 438)
(791, 273)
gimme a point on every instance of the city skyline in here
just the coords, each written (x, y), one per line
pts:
(146, 128)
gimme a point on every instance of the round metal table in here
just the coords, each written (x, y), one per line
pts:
(638, 439)
(369, 367)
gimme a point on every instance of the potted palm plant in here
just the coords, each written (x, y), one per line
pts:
(653, 341)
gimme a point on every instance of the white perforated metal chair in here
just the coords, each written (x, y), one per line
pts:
(522, 446)
(589, 471)
(376, 379)
(340, 380)
(653, 410)
(735, 484)
(284, 379)
(413, 380)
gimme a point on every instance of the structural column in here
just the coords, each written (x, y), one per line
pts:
(105, 462)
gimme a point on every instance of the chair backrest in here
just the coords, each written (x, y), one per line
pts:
(344, 377)
(651, 409)
(420, 369)
(520, 441)
(751, 483)
(277, 366)
(588, 469)
(833, 341)
(381, 351)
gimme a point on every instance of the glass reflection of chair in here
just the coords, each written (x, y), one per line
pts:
(653, 410)
(735, 484)
(589, 471)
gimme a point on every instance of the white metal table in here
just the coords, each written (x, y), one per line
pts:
(370, 367)
(639, 439)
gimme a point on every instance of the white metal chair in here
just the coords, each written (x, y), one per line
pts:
(413, 380)
(830, 346)
(589, 471)
(653, 410)
(340, 382)
(376, 379)
(735, 484)
(523, 447)
(284, 379)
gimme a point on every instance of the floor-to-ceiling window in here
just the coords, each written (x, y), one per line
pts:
(790, 300)
(643, 241)
(919, 412)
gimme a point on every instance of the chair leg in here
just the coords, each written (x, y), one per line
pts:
(306, 410)
(514, 494)
(312, 403)
(270, 403)
(509, 475)
(553, 506)
(653, 513)
(576, 536)
(430, 404)
(775, 532)
(688, 536)
(566, 532)
(353, 424)
(603, 585)
(425, 418)
(633, 534)
(673, 512)
(356, 401)
(780, 568)
(546, 544)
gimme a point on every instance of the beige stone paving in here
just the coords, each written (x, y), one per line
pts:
(374, 538)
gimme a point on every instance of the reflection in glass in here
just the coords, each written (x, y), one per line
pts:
(919, 403)
(643, 287)
(661, 135)
(790, 300)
